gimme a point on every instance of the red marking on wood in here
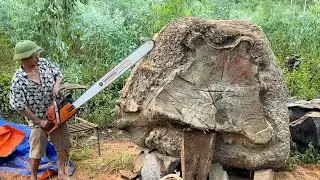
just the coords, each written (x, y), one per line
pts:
(232, 64)
(237, 65)
(239, 75)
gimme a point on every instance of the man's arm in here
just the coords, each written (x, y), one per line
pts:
(58, 78)
(58, 81)
(56, 87)
(40, 122)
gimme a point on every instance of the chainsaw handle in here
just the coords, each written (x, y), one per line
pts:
(65, 112)
(51, 115)
(50, 128)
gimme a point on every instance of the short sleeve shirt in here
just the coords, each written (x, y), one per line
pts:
(36, 96)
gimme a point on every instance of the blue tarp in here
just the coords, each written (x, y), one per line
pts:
(18, 161)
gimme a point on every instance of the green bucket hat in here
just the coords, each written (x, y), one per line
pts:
(25, 49)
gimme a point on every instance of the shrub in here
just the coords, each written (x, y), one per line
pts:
(88, 38)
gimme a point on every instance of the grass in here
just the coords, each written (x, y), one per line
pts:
(80, 154)
(110, 163)
(302, 154)
(115, 156)
(123, 161)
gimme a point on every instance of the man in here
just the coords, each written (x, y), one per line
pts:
(33, 88)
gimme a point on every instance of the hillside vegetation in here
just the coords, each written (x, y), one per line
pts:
(86, 38)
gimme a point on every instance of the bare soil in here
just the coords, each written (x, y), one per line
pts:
(93, 167)
(87, 168)
(301, 172)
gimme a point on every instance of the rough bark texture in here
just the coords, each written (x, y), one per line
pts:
(210, 75)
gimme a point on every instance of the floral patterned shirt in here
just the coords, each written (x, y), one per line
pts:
(36, 96)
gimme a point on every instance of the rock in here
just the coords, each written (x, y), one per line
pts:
(157, 165)
(305, 121)
(210, 75)
(150, 169)
(171, 177)
(91, 140)
(315, 101)
(217, 172)
(296, 112)
(299, 108)
(307, 129)
(165, 140)
(139, 163)
(127, 175)
(143, 150)
(139, 134)
(266, 174)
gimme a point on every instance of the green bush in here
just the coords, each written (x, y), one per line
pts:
(5, 81)
(88, 38)
(7, 65)
(308, 154)
(291, 30)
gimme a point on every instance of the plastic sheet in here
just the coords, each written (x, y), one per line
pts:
(18, 161)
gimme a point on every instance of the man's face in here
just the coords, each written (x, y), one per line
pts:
(31, 61)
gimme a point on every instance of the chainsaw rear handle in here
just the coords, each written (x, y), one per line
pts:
(65, 112)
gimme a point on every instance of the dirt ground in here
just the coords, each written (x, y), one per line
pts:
(89, 166)
(302, 172)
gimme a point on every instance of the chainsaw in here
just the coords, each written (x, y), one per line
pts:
(62, 110)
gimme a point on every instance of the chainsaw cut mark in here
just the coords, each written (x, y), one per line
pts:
(186, 103)
(180, 103)
(192, 104)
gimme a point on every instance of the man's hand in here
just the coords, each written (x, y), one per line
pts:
(43, 123)
(56, 91)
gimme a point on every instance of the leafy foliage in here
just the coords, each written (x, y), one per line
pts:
(7, 68)
(5, 80)
(89, 37)
(308, 154)
(291, 30)
(81, 154)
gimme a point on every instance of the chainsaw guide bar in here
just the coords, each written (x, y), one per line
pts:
(59, 113)
(117, 71)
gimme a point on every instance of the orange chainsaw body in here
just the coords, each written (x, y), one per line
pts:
(66, 112)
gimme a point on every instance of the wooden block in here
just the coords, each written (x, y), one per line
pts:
(266, 174)
(196, 154)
